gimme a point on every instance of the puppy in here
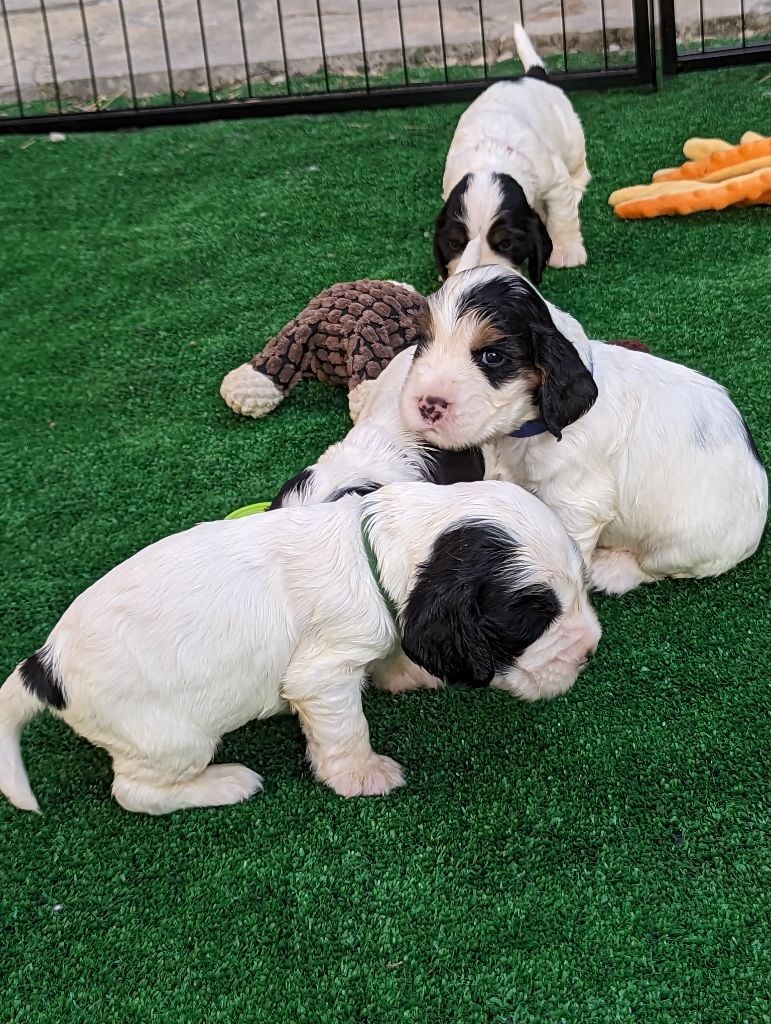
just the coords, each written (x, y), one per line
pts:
(656, 474)
(204, 631)
(517, 160)
(378, 450)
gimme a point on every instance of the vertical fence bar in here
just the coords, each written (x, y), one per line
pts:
(323, 46)
(127, 47)
(442, 39)
(644, 48)
(205, 49)
(89, 55)
(668, 37)
(244, 49)
(744, 25)
(401, 40)
(701, 24)
(482, 35)
(50, 48)
(363, 46)
(564, 38)
(166, 53)
(12, 58)
(283, 47)
(604, 34)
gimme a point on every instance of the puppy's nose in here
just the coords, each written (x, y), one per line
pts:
(431, 408)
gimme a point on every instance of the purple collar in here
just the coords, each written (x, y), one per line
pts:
(531, 428)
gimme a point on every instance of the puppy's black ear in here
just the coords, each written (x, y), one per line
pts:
(442, 622)
(297, 483)
(566, 388)
(514, 620)
(540, 248)
(440, 229)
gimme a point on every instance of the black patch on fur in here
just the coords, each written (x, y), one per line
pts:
(536, 71)
(469, 614)
(42, 682)
(450, 467)
(290, 487)
(566, 389)
(361, 489)
(450, 233)
(517, 232)
(750, 440)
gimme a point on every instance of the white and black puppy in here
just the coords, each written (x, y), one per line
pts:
(379, 450)
(655, 473)
(230, 621)
(515, 175)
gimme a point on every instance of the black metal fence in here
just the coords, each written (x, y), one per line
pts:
(93, 64)
(713, 33)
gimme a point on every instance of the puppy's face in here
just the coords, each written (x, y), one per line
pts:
(489, 360)
(478, 614)
(493, 208)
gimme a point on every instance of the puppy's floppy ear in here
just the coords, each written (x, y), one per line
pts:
(540, 248)
(291, 488)
(442, 629)
(439, 229)
(566, 388)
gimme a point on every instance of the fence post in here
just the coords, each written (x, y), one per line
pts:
(669, 61)
(644, 42)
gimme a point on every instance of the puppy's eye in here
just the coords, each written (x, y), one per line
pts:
(455, 246)
(492, 357)
(505, 245)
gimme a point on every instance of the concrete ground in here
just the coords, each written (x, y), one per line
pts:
(192, 25)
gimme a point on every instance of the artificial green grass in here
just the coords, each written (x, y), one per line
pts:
(603, 858)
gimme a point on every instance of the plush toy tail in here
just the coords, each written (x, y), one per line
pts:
(250, 393)
(526, 52)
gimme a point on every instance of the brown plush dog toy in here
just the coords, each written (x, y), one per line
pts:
(344, 337)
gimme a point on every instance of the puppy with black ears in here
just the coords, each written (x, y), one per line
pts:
(514, 176)
(649, 464)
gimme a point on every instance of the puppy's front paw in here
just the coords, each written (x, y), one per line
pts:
(407, 676)
(571, 255)
(616, 572)
(375, 776)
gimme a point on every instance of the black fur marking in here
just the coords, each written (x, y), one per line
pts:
(517, 232)
(450, 232)
(361, 489)
(41, 681)
(469, 614)
(750, 440)
(290, 487)
(536, 71)
(566, 389)
(449, 467)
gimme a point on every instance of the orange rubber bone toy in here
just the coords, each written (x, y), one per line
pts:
(715, 176)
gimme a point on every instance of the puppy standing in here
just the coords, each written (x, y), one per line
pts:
(204, 631)
(517, 159)
(649, 464)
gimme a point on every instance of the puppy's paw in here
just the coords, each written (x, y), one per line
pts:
(573, 254)
(231, 783)
(403, 678)
(377, 775)
(616, 572)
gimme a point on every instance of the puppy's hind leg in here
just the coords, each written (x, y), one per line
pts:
(616, 572)
(180, 779)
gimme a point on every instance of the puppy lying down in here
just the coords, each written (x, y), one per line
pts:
(649, 464)
(229, 621)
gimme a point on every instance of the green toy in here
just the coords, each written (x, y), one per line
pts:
(249, 510)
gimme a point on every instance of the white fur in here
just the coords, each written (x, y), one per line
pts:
(656, 480)
(231, 621)
(529, 130)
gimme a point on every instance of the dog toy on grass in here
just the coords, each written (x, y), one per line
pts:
(716, 175)
(343, 337)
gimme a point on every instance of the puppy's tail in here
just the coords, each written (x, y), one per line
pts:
(526, 52)
(18, 705)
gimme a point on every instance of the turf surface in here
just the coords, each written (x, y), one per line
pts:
(603, 858)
